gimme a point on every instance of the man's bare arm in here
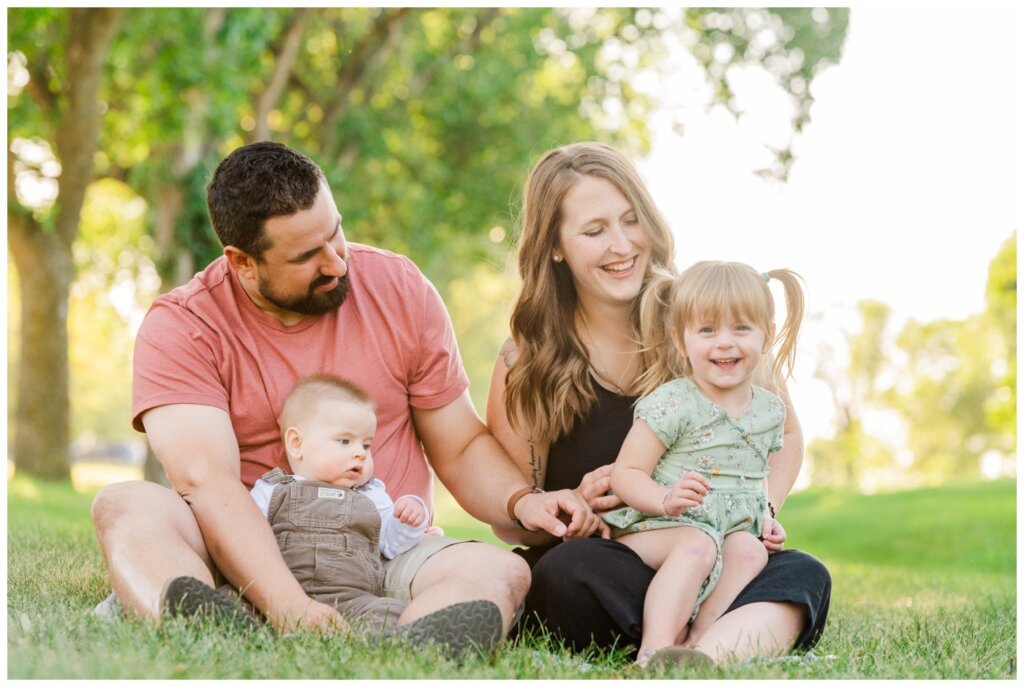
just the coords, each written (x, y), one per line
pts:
(475, 469)
(197, 447)
(529, 458)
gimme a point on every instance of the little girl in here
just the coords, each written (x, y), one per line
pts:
(692, 470)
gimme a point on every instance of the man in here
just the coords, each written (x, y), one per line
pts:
(213, 362)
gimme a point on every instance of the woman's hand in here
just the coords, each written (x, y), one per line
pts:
(594, 488)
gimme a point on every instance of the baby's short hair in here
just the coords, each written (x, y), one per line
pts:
(310, 391)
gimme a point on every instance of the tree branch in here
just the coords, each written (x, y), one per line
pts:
(91, 31)
(287, 52)
(369, 48)
(38, 87)
(423, 79)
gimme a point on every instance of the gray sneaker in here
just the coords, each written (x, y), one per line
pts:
(187, 597)
(459, 629)
(108, 609)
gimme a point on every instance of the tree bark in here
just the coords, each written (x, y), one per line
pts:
(43, 256)
(286, 54)
(42, 426)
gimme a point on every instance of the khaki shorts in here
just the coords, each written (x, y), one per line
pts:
(400, 571)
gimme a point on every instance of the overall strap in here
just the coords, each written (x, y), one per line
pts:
(277, 476)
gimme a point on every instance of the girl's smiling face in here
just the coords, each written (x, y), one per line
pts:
(603, 242)
(724, 353)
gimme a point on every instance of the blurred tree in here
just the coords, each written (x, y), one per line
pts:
(958, 391)
(53, 132)
(110, 286)
(169, 117)
(842, 460)
(951, 384)
(793, 44)
(425, 121)
(479, 302)
(1001, 315)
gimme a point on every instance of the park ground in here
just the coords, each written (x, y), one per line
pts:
(924, 587)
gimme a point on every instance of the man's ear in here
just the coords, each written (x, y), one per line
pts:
(293, 443)
(241, 262)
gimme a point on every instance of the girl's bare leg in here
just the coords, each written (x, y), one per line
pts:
(683, 557)
(743, 558)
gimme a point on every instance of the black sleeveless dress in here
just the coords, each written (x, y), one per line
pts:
(590, 592)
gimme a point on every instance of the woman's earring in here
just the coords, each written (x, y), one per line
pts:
(556, 257)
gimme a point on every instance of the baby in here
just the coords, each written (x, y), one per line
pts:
(333, 520)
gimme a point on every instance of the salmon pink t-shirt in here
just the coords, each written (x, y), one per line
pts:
(206, 343)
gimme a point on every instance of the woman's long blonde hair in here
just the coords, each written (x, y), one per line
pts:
(711, 290)
(548, 385)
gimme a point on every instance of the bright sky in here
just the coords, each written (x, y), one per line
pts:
(907, 180)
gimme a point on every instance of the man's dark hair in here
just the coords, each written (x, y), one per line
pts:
(255, 183)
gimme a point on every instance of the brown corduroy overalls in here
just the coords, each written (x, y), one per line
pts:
(330, 539)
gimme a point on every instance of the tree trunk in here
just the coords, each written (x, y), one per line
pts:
(42, 426)
(43, 257)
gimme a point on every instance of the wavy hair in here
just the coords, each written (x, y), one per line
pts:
(257, 182)
(710, 290)
(548, 385)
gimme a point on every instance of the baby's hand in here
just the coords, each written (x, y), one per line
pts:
(410, 511)
(688, 492)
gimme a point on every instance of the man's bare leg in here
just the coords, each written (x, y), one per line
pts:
(148, 536)
(766, 628)
(467, 572)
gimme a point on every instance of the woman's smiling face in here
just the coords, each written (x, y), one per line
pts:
(603, 242)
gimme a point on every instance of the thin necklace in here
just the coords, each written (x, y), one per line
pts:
(603, 373)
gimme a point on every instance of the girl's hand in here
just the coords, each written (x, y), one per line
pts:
(772, 534)
(410, 511)
(688, 492)
(594, 488)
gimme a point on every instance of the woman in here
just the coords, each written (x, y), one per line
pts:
(561, 399)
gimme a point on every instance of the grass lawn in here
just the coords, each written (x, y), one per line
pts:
(924, 586)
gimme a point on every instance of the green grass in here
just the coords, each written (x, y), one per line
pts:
(924, 587)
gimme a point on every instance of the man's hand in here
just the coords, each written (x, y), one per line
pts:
(410, 511)
(594, 488)
(547, 510)
(772, 534)
(688, 492)
(311, 615)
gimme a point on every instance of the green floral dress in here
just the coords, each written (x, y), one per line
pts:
(732, 453)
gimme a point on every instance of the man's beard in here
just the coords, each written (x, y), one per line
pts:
(314, 302)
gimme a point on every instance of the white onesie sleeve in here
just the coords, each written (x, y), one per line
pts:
(395, 536)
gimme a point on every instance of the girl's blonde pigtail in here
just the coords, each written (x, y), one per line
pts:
(785, 339)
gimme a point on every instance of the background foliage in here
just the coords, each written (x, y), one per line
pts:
(950, 385)
(426, 122)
